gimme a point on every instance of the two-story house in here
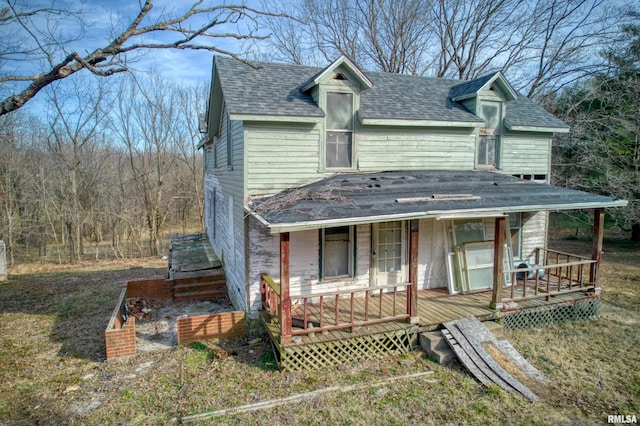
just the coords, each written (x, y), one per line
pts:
(344, 200)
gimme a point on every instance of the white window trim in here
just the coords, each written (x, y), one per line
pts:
(351, 257)
(229, 142)
(519, 226)
(404, 261)
(323, 147)
(498, 135)
(215, 152)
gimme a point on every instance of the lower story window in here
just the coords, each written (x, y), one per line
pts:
(336, 252)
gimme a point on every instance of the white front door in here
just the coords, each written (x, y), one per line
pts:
(389, 247)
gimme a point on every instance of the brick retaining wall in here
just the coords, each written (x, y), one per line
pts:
(215, 326)
(120, 336)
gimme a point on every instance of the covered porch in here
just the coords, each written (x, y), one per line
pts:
(318, 323)
(319, 317)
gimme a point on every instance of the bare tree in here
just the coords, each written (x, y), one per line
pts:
(540, 44)
(385, 35)
(396, 34)
(602, 153)
(472, 33)
(74, 125)
(12, 180)
(145, 124)
(27, 179)
(36, 36)
(289, 40)
(191, 104)
(567, 41)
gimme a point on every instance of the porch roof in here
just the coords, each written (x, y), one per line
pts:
(357, 198)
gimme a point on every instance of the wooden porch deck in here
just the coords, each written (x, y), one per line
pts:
(435, 307)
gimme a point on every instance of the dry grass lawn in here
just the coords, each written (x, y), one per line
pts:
(53, 371)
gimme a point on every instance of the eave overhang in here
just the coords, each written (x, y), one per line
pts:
(205, 141)
(499, 195)
(277, 228)
(326, 73)
(497, 79)
(277, 118)
(418, 123)
(517, 128)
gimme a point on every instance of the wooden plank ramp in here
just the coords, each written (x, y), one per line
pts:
(465, 336)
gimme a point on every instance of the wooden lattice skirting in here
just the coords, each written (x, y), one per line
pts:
(582, 310)
(314, 356)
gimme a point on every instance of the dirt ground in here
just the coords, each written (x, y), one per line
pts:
(53, 367)
(156, 330)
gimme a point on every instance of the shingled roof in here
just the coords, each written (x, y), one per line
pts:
(268, 89)
(470, 87)
(354, 198)
(271, 89)
(523, 112)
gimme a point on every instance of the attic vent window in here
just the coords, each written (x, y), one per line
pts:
(340, 77)
(439, 197)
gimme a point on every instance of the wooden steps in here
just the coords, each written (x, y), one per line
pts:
(436, 347)
(203, 287)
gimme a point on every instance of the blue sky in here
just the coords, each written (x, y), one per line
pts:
(103, 19)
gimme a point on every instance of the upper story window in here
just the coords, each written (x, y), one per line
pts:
(488, 144)
(215, 153)
(229, 142)
(207, 157)
(339, 130)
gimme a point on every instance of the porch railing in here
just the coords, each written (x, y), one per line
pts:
(346, 309)
(563, 273)
(270, 295)
(349, 308)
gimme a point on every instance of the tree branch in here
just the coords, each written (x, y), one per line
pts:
(109, 60)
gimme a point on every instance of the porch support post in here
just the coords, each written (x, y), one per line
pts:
(412, 293)
(285, 299)
(596, 252)
(498, 261)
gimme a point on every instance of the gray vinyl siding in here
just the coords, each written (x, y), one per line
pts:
(525, 153)
(207, 155)
(264, 256)
(470, 104)
(227, 183)
(280, 157)
(385, 148)
(305, 263)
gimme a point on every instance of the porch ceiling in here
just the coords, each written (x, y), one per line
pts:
(356, 198)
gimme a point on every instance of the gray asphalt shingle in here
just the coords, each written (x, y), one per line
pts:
(275, 90)
(351, 196)
(470, 87)
(269, 89)
(524, 112)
